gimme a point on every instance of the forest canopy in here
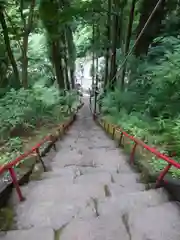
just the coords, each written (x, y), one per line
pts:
(40, 41)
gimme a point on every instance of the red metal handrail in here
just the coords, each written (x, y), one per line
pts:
(171, 162)
(150, 149)
(22, 156)
(9, 166)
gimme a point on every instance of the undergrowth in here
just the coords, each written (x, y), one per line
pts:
(22, 112)
(164, 134)
(148, 107)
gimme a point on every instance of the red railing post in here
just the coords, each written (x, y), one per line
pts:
(113, 133)
(16, 184)
(169, 160)
(108, 128)
(120, 139)
(162, 174)
(40, 159)
(133, 153)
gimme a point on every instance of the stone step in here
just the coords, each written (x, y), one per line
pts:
(68, 173)
(156, 223)
(53, 203)
(92, 193)
(33, 233)
(125, 178)
(101, 228)
(94, 178)
(125, 203)
(116, 190)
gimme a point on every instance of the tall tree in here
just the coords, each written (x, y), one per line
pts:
(50, 15)
(108, 43)
(27, 27)
(66, 67)
(154, 27)
(115, 26)
(8, 46)
(128, 38)
(71, 54)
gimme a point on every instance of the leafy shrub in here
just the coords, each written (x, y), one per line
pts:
(25, 108)
(82, 39)
(162, 132)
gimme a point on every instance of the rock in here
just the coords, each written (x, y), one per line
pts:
(101, 228)
(155, 223)
(33, 233)
(130, 201)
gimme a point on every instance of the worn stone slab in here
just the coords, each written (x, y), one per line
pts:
(155, 223)
(101, 228)
(125, 203)
(63, 159)
(124, 179)
(117, 190)
(94, 178)
(112, 160)
(33, 233)
(67, 173)
(90, 169)
(52, 204)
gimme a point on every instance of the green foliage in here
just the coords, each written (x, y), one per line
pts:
(15, 144)
(155, 77)
(149, 106)
(23, 109)
(40, 67)
(82, 39)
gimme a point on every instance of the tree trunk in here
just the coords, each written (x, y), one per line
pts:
(96, 84)
(97, 66)
(93, 57)
(108, 44)
(25, 61)
(57, 61)
(65, 53)
(128, 38)
(70, 45)
(120, 8)
(72, 78)
(9, 50)
(71, 54)
(114, 46)
(66, 73)
(154, 27)
(27, 30)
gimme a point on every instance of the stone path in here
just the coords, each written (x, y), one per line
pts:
(91, 193)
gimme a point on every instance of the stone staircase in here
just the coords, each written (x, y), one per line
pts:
(91, 193)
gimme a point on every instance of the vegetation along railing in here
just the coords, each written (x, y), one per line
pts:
(170, 162)
(34, 150)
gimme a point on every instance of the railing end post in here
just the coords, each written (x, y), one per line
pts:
(40, 159)
(113, 133)
(133, 153)
(16, 184)
(120, 139)
(162, 175)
